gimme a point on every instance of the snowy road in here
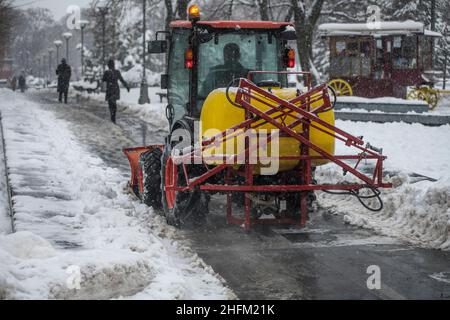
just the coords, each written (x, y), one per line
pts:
(328, 260)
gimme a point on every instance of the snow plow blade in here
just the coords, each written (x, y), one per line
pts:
(136, 183)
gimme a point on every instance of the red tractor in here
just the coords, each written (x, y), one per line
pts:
(237, 129)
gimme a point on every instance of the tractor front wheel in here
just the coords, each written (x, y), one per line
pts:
(151, 170)
(181, 208)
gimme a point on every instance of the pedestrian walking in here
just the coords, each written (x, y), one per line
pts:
(112, 78)
(64, 73)
(22, 82)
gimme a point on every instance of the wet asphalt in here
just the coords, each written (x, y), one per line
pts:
(326, 260)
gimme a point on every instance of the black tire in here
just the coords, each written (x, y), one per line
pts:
(151, 169)
(191, 207)
(293, 202)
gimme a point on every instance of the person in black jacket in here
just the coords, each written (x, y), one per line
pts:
(22, 82)
(112, 78)
(64, 73)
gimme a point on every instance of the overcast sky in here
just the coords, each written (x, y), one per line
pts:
(58, 7)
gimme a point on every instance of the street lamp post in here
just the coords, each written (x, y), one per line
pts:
(83, 24)
(44, 73)
(58, 44)
(38, 67)
(50, 59)
(27, 64)
(143, 97)
(67, 36)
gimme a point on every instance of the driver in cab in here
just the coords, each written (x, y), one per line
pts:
(221, 76)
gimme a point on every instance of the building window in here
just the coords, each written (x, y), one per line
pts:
(404, 52)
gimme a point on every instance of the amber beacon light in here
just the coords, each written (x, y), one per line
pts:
(194, 12)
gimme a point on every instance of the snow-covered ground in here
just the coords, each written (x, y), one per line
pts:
(153, 113)
(416, 211)
(74, 214)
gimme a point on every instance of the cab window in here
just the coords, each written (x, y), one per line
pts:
(232, 55)
(178, 89)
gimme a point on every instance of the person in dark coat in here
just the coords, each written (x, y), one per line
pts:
(22, 82)
(112, 78)
(64, 73)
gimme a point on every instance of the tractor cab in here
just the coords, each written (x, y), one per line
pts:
(209, 55)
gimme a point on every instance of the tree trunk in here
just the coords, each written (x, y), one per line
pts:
(305, 23)
(263, 9)
(169, 13)
(182, 6)
(304, 47)
(230, 10)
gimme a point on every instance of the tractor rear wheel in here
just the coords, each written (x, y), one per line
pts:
(293, 202)
(151, 169)
(182, 209)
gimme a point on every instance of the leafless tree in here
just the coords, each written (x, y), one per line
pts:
(7, 18)
(179, 11)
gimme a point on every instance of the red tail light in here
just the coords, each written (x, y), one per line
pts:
(189, 59)
(290, 58)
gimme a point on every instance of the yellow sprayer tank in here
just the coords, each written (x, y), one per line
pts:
(219, 115)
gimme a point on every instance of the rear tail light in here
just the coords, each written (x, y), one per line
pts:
(290, 58)
(189, 59)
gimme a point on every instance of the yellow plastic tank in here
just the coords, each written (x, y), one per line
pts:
(219, 115)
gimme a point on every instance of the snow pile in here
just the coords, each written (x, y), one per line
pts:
(416, 209)
(85, 85)
(384, 100)
(153, 113)
(443, 107)
(75, 221)
(134, 76)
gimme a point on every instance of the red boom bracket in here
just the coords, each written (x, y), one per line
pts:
(299, 110)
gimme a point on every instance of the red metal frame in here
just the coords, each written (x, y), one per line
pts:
(301, 112)
(299, 109)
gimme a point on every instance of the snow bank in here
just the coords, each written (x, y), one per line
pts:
(134, 76)
(386, 100)
(73, 214)
(414, 210)
(153, 113)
